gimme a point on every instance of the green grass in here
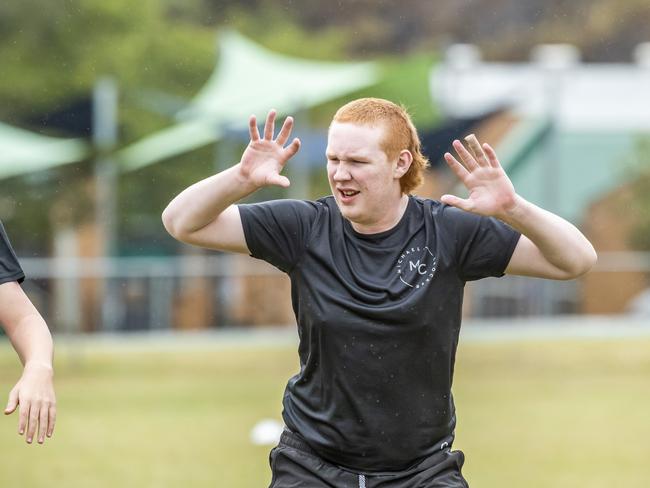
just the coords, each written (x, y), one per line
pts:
(533, 414)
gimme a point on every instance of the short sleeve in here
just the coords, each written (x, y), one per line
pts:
(10, 269)
(278, 231)
(484, 245)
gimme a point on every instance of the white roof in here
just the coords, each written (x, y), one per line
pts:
(579, 97)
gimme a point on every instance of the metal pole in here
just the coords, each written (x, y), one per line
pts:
(297, 169)
(105, 96)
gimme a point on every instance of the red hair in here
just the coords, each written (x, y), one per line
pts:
(400, 133)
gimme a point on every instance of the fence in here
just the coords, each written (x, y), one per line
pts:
(217, 290)
(142, 293)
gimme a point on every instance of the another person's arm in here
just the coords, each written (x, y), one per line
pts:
(33, 395)
(204, 214)
(550, 247)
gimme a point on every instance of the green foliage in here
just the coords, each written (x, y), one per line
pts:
(407, 81)
(31, 205)
(605, 30)
(143, 195)
(277, 31)
(54, 51)
(403, 80)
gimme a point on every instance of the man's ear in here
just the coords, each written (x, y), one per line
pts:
(403, 163)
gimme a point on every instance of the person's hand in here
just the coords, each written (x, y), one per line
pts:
(36, 402)
(490, 190)
(264, 158)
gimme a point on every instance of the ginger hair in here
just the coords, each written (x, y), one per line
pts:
(400, 133)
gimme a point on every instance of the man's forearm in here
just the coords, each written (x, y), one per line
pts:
(32, 340)
(33, 394)
(559, 241)
(198, 205)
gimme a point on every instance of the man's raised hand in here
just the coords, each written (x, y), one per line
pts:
(264, 158)
(490, 190)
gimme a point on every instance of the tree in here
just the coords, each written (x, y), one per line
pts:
(53, 52)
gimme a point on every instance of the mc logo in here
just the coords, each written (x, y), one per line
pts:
(416, 266)
(422, 268)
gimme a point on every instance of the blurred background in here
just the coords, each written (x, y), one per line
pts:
(168, 356)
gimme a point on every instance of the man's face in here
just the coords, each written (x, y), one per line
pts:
(361, 177)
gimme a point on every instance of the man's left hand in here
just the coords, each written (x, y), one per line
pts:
(34, 397)
(490, 190)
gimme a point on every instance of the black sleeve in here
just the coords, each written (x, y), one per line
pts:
(278, 231)
(10, 269)
(484, 245)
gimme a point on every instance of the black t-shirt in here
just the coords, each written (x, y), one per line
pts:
(378, 319)
(10, 270)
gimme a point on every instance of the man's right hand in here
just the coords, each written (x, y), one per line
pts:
(264, 159)
(206, 214)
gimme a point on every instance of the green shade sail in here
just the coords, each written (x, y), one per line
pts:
(24, 152)
(249, 80)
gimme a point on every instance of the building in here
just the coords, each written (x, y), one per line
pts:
(568, 135)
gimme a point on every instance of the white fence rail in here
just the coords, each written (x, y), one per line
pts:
(140, 293)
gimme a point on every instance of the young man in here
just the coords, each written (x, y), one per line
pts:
(34, 392)
(377, 281)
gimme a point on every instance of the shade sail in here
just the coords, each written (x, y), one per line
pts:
(23, 151)
(249, 79)
(167, 143)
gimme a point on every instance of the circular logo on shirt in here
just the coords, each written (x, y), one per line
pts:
(416, 267)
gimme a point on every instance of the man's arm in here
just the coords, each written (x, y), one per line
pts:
(550, 247)
(204, 214)
(30, 337)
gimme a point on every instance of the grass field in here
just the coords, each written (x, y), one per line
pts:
(568, 413)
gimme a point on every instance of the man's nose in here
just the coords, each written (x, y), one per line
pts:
(341, 173)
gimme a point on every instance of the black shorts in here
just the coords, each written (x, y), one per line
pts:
(295, 465)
